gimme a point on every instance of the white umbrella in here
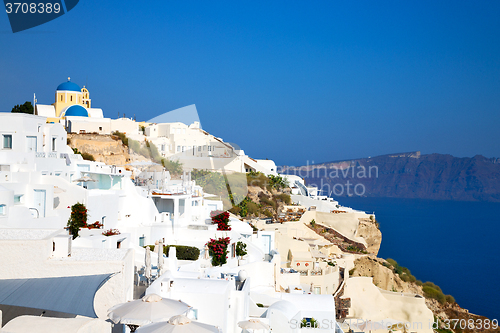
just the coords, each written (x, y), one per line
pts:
(160, 258)
(206, 255)
(178, 324)
(253, 324)
(84, 179)
(150, 309)
(147, 270)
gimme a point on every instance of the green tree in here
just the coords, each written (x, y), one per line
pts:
(77, 219)
(24, 108)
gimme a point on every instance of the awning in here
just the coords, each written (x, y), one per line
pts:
(69, 294)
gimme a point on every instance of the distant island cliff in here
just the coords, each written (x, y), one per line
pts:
(407, 175)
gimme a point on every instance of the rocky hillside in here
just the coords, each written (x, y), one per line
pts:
(103, 148)
(397, 279)
(409, 175)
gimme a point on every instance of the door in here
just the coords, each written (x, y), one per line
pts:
(31, 143)
(40, 202)
(267, 243)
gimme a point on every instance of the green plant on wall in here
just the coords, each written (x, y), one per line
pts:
(217, 248)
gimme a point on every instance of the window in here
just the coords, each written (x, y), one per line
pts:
(178, 149)
(194, 313)
(317, 290)
(183, 148)
(209, 148)
(61, 98)
(71, 98)
(3, 210)
(18, 198)
(100, 128)
(54, 139)
(199, 148)
(7, 141)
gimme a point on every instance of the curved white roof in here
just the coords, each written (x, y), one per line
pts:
(285, 307)
(25, 324)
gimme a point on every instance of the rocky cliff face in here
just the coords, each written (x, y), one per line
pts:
(369, 230)
(409, 175)
(385, 278)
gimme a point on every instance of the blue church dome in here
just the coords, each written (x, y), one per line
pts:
(69, 86)
(76, 111)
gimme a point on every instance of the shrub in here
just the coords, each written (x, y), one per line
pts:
(122, 137)
(257, 179)
(88, 157)
(392, 262)
(95, 225)
(77, 219)
(260, 305)
(268, 202)
(352, 271)
(217, 248)
(403, 272)
(432, 285)
(236, 210)
(111, 232)
(253, 208)
(354, 249)
(183, 252)
(222, 221)
(174, 167)
(313, 223)
(277, 182)
(241, 249)
(434, 293)
(268, 213)
(283, 197)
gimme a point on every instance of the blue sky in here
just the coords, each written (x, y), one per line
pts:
(288, 80)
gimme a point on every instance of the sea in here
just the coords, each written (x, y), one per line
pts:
(454, 244)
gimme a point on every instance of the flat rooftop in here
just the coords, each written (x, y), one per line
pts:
(27, 234)
(89, 254)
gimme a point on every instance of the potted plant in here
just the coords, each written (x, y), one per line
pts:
(241, 251)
